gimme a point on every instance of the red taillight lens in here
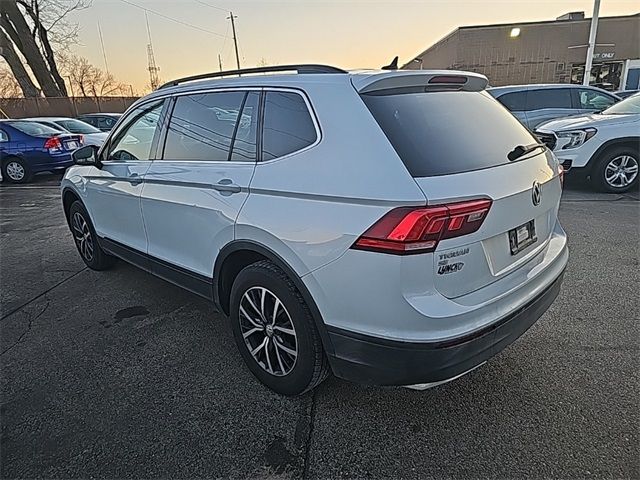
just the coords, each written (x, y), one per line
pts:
(53, 143)
(455, 79)
(407, 230)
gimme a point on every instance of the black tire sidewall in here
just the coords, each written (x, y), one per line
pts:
(100, 260)
(27, 170)
(300, 378)
(599, 171)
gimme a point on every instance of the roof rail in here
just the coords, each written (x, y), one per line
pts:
(302, 68)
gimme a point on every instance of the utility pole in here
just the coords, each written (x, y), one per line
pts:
(220, 62)
(235, 39)
(592, 42)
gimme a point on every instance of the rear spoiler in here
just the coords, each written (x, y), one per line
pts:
(427, 79)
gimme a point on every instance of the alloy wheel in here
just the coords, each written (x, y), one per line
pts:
(621, 171)
(268, 331)
(82, 235)
(15, 171)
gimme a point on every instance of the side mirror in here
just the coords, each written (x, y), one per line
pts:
(87, 155)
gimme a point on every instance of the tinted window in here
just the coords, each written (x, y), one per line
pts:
(513, 101)
(549, 98)
(447, 132)
(202, 126)
(288, 126)
(106, 122)
(3, 136)
(90, 120)
(594, 100)
(134, 140)
(244, 142)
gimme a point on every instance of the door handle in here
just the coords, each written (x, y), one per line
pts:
(226, 185)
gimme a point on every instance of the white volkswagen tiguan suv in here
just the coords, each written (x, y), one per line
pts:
(393, 227)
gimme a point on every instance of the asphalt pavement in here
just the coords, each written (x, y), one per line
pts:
(118, 374)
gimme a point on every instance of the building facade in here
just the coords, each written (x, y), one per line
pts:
(542, 52)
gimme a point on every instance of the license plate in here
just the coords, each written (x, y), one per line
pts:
(522, 236)
(71, 145)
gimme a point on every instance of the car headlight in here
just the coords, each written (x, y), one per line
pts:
(576, 137)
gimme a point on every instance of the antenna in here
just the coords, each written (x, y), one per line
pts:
(153, 68)
(104, 53)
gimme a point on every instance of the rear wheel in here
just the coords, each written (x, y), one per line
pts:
(86, 240)
(616, 170)
(274, 330)
(16, 170)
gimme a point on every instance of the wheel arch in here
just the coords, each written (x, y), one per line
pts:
(68, 197)
(629, 141)
(240, 253)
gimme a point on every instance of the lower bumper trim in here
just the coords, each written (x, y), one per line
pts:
(370, 360)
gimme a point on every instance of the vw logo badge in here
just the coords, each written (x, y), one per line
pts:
(536, 193)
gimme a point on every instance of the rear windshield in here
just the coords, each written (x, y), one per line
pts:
(440, 133)
(34, 129)
(76, 126)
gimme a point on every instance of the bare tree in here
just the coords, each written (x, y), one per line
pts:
(34, 27)
(9, 86)
(87, 80)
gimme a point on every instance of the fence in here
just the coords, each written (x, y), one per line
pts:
(63, 106)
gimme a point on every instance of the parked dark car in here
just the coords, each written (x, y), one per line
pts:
(29, 147)
(626, 93)
(535, 104)
(102, 121)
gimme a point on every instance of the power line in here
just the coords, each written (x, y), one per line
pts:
(211, 32)
(210, 6)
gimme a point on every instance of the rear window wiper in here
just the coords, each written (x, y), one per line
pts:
(521, 150)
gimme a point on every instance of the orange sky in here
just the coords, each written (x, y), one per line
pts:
(349, 34)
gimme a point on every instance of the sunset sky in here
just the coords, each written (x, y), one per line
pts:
(349, 33)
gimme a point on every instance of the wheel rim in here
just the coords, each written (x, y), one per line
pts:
(621, 171)
(15, 171)
(82, 236)
(268, 331)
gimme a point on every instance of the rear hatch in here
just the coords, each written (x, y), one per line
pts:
(456, 144)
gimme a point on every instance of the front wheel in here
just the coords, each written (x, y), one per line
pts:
(274, 330)
(86, 240)
(616, 170)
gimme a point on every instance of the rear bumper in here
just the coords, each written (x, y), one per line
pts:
(44, 164)
(370, 360)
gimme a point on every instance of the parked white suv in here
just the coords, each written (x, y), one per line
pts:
(394, 227)
(604, 146)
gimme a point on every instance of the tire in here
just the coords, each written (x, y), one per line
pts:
(16, 170)
(609, 163)
(86, 240)
(294, 330)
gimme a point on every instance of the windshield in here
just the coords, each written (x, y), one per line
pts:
(440, 133)
(77, 126)
(627, 106)
(33, 128)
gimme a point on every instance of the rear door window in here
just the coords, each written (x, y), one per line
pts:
(287, 126)
(514, 101)
(548, 98)
(202, 126)
(441, 133)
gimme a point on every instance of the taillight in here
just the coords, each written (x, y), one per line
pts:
(53, 143)
(81, 139)
(408, 230)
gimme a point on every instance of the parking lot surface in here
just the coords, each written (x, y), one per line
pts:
(119, 374)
